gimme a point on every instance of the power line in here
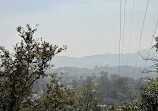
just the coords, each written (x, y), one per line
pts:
(120, 34)
(124, 24)
(131, 30)
(151, 43)
(142, 31)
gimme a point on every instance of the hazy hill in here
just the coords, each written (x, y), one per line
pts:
(84, 72)
(103, 60)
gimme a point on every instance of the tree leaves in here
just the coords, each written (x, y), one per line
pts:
(19, 71)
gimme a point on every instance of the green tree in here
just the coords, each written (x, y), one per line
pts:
(57, 97)
(88, 99)
(149, 95)
(148, 98)
(105, 87)
(114, 89)
(128, 106)
(19, 70)
(149, 91)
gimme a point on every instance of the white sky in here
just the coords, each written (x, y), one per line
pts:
(87, 27)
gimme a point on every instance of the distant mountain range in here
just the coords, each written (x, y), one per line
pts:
(104, 60)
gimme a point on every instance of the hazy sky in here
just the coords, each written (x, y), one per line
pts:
(87, 27)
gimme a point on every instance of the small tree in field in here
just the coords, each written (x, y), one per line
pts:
(18, 71)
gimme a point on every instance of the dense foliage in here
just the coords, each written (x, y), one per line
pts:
(19, 70)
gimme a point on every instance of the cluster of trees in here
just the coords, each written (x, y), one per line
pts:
(148, 100)
(127, 71)
(19, 72)
(111, 89)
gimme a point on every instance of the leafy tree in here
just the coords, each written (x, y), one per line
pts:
(128, 106)
(19, 70)
(149, 95)
(148, 100)
(148, 92)
(105, 87)
(88, 99)
(114, 89)
(57, 97)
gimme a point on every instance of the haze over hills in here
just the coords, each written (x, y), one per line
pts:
(73, 72)
(103, 60)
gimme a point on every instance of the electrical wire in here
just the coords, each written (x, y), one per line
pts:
(148, 54)
(120, 35)
(142, 29)
(123, 35)
(131, 30)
